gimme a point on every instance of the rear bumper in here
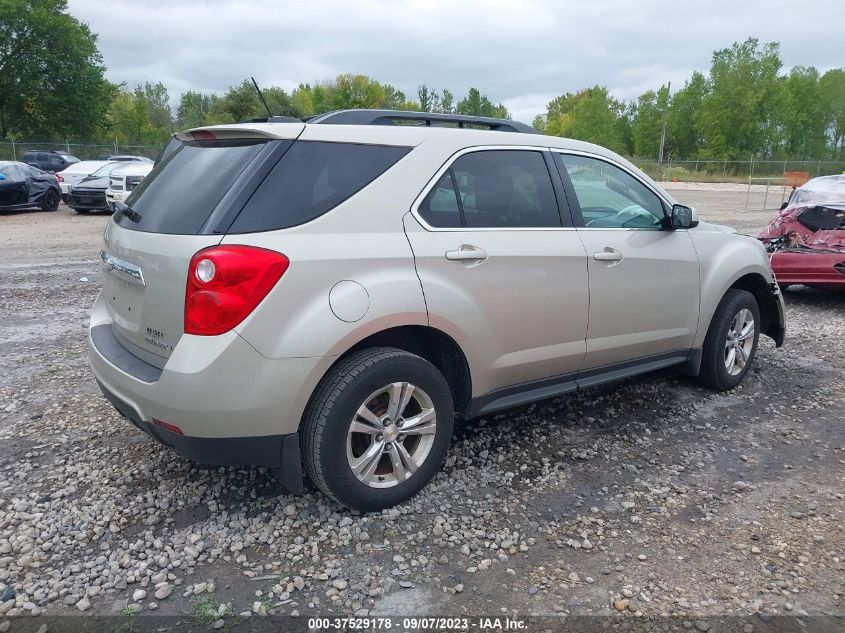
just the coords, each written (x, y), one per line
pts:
(216, 451)
(232, 405)
(275, 451)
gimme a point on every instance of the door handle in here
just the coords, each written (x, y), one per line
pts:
(608, 255)
(467, 252)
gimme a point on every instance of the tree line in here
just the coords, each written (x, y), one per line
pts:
(744, 107)
(53, 87)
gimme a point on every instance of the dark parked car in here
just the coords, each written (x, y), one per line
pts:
(23, 186)
(49, 160)
(89, 194)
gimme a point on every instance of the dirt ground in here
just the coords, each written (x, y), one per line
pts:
(646, 498)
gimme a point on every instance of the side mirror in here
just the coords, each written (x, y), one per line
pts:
(683, 217)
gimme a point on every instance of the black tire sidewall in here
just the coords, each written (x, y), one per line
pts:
(51, 195)
(733, 303)
(342, 483)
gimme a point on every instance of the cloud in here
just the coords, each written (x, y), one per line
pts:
(521, 53)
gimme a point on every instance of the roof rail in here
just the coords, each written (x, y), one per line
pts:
(404, 117)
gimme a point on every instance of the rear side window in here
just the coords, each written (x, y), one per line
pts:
(440, 207)
(494, 189)
(312, 178)
(183, 189)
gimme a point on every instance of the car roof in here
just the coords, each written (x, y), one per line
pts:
(85, 165)
(133, 168)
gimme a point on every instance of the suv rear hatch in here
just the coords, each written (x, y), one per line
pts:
(197, 182)
(206, 184)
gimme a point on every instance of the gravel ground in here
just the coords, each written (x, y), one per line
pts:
(648, 497)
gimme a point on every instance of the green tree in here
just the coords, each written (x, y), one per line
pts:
(477, 104)
(832, 89)
(447, 102)
(647, 122)
(806, 115)
(129, 121)
(589, 115)
(740, 115)
(683, 139)
(426, 98)
(242, 103)
(193, 109)
(51, 73)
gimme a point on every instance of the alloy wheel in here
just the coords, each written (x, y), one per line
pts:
(391, 435)
(740, 342)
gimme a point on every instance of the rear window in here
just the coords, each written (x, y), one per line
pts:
(312, 178)
(186, 185)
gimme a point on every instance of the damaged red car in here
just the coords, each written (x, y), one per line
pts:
(806, 239)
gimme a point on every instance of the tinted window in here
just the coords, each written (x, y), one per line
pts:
(505, 189)
(184, 188)
(310, 179)
(440, 207)
(610, 197)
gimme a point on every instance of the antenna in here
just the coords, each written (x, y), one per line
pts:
(261, 96)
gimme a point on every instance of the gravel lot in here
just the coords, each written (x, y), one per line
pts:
(649, 497)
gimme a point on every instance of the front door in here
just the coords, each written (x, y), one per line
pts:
(644, 279)
(500, 272)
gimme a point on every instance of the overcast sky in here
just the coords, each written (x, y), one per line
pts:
(522, 53)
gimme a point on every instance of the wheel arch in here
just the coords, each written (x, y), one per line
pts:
(432, 344)
(755, 282)
(767, 301)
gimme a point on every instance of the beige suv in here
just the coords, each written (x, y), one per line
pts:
(335, 293)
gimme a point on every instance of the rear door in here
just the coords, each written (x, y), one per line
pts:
(644, 280)
(502, 271)
(14, 186)
(149, 245)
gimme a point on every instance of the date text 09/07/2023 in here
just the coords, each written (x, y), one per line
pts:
(416, 624)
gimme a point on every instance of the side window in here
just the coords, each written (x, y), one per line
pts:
(505, 189)
(312, 178)
(610, 197)
(440, 207)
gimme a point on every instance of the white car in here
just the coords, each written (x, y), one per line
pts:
(77, 171)
(124, 179)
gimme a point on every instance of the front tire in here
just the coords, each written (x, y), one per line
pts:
(731, 341)
(377, 428)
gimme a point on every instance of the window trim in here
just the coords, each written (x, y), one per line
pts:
(575, 205)
(563, 208)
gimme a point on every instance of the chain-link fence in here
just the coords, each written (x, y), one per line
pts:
(14, 150)
(734, 170)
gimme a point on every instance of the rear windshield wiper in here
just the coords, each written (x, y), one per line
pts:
(128, 211)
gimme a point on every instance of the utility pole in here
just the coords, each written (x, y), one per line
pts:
(663, 126)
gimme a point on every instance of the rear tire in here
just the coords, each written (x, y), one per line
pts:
(51, 200)
(402, 409)
(731, 341)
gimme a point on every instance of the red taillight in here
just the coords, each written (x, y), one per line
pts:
(226, 283)
(59, 178)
